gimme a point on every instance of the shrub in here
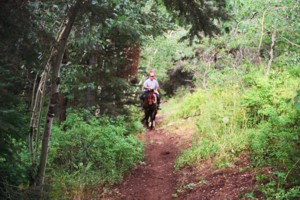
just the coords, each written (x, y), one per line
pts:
(92, 151)
(275, 119)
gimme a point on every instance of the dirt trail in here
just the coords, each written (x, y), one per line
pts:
(154, 178)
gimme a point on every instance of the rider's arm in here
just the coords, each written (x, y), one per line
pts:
(146, 87)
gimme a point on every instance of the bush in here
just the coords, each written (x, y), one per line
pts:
(14, 159)
(275, 119)
(92, 151)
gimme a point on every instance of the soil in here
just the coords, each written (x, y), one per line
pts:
(156, 179)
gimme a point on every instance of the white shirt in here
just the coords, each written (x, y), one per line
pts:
(153, 84)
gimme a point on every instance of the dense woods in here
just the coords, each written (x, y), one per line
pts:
(71, 74)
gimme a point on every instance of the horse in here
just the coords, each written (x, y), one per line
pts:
(150, 108)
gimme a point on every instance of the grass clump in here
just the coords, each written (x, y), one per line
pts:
(220, 125)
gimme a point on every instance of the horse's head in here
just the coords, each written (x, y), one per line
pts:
(150, 98)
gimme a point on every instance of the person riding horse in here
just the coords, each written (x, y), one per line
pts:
(150, 109)
(151, 83)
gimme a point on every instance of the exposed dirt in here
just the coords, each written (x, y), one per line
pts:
(155, 179)
(207, 183)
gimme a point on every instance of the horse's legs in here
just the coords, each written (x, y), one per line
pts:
(147, 118)
(153, 116)
(153, 124)
(147, 122)
(152, 121)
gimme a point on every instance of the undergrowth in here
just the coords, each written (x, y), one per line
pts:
(220, 122)
(262, 118)
(87, 152)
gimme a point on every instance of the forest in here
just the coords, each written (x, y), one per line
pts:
(72, 71)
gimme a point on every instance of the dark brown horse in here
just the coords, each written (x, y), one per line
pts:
(150, 108)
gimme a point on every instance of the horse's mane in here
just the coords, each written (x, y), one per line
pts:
(150, 98)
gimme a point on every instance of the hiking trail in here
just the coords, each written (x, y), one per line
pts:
(156, 179)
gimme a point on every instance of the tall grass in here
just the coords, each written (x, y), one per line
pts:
(260, 117)
(228, 117)
(221, 127)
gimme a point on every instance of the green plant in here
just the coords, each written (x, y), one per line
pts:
(220, 122)
(278, 187)
(202, 150)
(91, 151)
(274, 139)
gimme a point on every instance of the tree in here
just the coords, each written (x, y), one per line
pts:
(114, 39)
(57, 53)
(18, 66)
(121, 26)
(199, 14)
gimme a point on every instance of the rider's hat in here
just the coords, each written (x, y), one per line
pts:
(152, 72)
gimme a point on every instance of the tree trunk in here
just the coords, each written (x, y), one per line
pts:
(92, 61)
(36, 117)
(271, 53)
(61, 44)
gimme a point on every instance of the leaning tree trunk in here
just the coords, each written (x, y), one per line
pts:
(61, 44)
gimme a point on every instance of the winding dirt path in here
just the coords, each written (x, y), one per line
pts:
(154, 179)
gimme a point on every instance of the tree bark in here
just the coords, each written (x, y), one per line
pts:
(271, 53)
(36, 117)
(61, 44)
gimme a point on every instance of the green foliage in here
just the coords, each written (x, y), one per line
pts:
(86, 151)
(263, 119)
(220, 123)
(13, 158)
(159, 53)
(191, 105)
(20, 47)
(275, 117)
(236, 106)
(202, 150)
(278, 187)
(92, 151)
(257, 20)
(103, 53)
(200, 15)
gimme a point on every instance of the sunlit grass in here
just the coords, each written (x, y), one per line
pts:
(219, 124)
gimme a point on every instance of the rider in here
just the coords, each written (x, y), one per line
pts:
(151, 83)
